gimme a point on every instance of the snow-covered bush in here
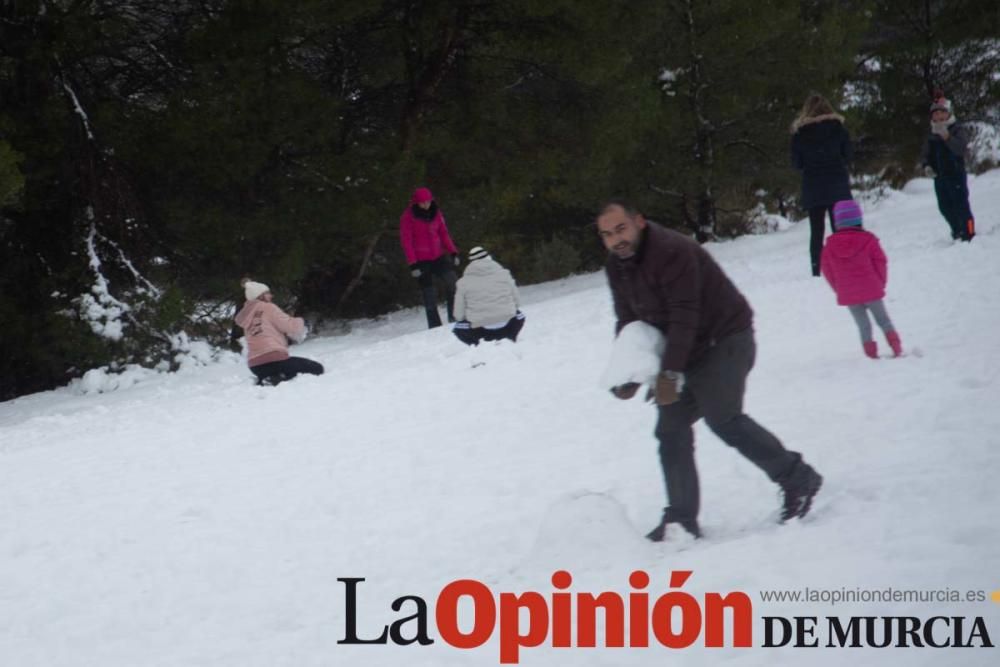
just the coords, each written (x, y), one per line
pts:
(984, 148)
(141, 324)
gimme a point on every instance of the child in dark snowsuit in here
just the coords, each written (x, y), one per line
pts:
(943, 159)
(857, 269)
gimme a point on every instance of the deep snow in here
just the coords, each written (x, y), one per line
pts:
(194, 519)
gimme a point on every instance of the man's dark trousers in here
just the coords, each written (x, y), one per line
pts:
(714, 389)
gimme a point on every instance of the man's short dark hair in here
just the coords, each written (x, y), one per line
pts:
(631, 210)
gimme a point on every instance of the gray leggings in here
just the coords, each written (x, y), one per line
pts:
(859, 312)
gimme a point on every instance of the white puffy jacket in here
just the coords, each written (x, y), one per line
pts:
(486, 294)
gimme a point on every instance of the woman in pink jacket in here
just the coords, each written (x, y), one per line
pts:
(856, 268)
(429, 251)
(268, 330)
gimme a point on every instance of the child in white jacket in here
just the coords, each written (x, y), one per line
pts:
(487, 304)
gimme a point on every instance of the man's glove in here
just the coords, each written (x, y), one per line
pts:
(625, 391)
(929, 171)
(669, 385)
(415, 271)
(456, 260)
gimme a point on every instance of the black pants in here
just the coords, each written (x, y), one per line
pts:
(473, 335)
(443, 268)
(953, 202)
(816, 215)
(277, 372)
(714, 390)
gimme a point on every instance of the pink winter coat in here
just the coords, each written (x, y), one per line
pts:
(855, 266)
(267, 329)
(424, 240)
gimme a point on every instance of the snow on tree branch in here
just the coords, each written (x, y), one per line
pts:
(101, 310)
(79, 110)
(143, 285)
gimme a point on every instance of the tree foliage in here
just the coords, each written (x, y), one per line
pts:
(912, 50)
(152, 153)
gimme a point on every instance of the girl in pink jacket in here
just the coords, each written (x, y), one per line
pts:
(854, 264)
(268, 329)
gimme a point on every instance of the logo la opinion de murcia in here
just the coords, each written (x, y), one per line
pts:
(672, 619)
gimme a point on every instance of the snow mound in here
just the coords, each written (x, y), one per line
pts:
(919, 186)
(104, 380)
(587, 530)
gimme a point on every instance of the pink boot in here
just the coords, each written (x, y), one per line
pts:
(894, 343)
(871, 349)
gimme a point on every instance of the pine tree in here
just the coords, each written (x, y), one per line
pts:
(731, 76)
(914, 49)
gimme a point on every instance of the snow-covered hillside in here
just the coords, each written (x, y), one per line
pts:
(195, 519)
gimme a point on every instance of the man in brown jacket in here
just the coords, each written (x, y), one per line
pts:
(667, 280)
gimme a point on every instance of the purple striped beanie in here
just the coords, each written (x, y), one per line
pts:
(846, 213)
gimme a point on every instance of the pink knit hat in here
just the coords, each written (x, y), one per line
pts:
(420, 195)
(846, 213)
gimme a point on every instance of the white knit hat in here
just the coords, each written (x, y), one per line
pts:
(477, 253)
(253, 290)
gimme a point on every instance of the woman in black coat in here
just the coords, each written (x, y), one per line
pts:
(821, 149)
